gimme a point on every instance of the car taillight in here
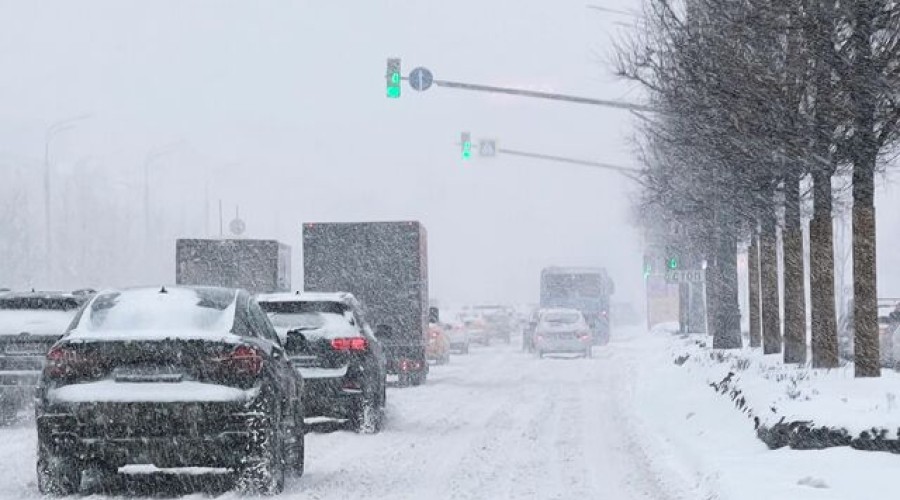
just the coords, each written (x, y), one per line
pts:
(63, 361)
(350, 344)
(243, 360)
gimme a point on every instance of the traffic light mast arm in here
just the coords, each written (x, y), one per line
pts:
(541, 95)
(631, 173)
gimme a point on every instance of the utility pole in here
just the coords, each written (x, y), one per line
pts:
(152, 156)
(52, 131)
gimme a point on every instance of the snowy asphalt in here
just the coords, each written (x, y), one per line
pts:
(494, 424)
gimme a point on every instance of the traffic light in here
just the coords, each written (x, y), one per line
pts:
(672, 263)
(648, 266)
(393, 78)
(466, 142)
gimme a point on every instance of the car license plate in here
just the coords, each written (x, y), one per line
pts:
(146, 374)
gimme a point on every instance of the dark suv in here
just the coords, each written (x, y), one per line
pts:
(332, 346)
(172, 377)
(29, 324)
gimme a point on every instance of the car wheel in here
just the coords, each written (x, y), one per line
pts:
(540, 354)
(263, 472)
(367, 415)
(297, 446)
(8, 412)
(102, 474)
(57, 474)
(419, 378)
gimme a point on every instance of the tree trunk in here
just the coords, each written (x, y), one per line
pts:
(753, 285)
(728, 311)
(794, 283)
(712, 291)
(864, 153)
(865, 300)
(768, 285)
(821, 275)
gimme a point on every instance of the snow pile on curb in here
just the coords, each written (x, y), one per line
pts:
(695, 441)
(797, 406)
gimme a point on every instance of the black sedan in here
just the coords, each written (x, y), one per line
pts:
(173, 377)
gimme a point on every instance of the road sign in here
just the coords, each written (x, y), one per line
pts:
(674, 276)
(420, 79)
(487, 148)
(237, 226)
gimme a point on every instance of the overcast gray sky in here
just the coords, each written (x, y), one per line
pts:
(283, 102)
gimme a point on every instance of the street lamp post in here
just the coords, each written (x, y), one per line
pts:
(153, 156)
(52, 131)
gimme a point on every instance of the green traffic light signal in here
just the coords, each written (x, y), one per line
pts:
(466, 141)
(672, 263)
(393, 78)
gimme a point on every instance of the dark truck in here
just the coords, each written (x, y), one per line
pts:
(385, 266)
(258, 266)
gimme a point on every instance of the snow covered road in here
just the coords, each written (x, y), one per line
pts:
(495, 424)
(501, 424)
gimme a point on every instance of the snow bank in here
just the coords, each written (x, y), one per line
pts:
(684, 426)
(797, 406)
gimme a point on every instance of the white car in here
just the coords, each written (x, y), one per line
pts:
(562, 331)
(458, 335)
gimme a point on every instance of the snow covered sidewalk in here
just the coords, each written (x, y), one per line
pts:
(688, 427)
(797, 406)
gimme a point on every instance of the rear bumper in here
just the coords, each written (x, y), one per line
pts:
(17, 388)
(562, 346)
(182, 435)
(327, 397)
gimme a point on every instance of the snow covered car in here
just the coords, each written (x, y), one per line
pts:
(458, 336)
(499, 320)
(29, 324)
(437, 348)
(562, 331)
(477, 330)
(173, 377)
(332, 346)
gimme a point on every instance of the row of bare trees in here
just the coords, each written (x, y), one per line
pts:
(756, 99)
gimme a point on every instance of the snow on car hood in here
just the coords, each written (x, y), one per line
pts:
(34, 322)
(110, 391)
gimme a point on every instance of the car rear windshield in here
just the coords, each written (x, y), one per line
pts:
(562, 318)
(296, 306)
(176, 309)
(314, 324)
(40, 303)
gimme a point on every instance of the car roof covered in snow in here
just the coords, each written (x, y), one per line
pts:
(159, 312)
(343, 297)
(574, 270)
(558, 310)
